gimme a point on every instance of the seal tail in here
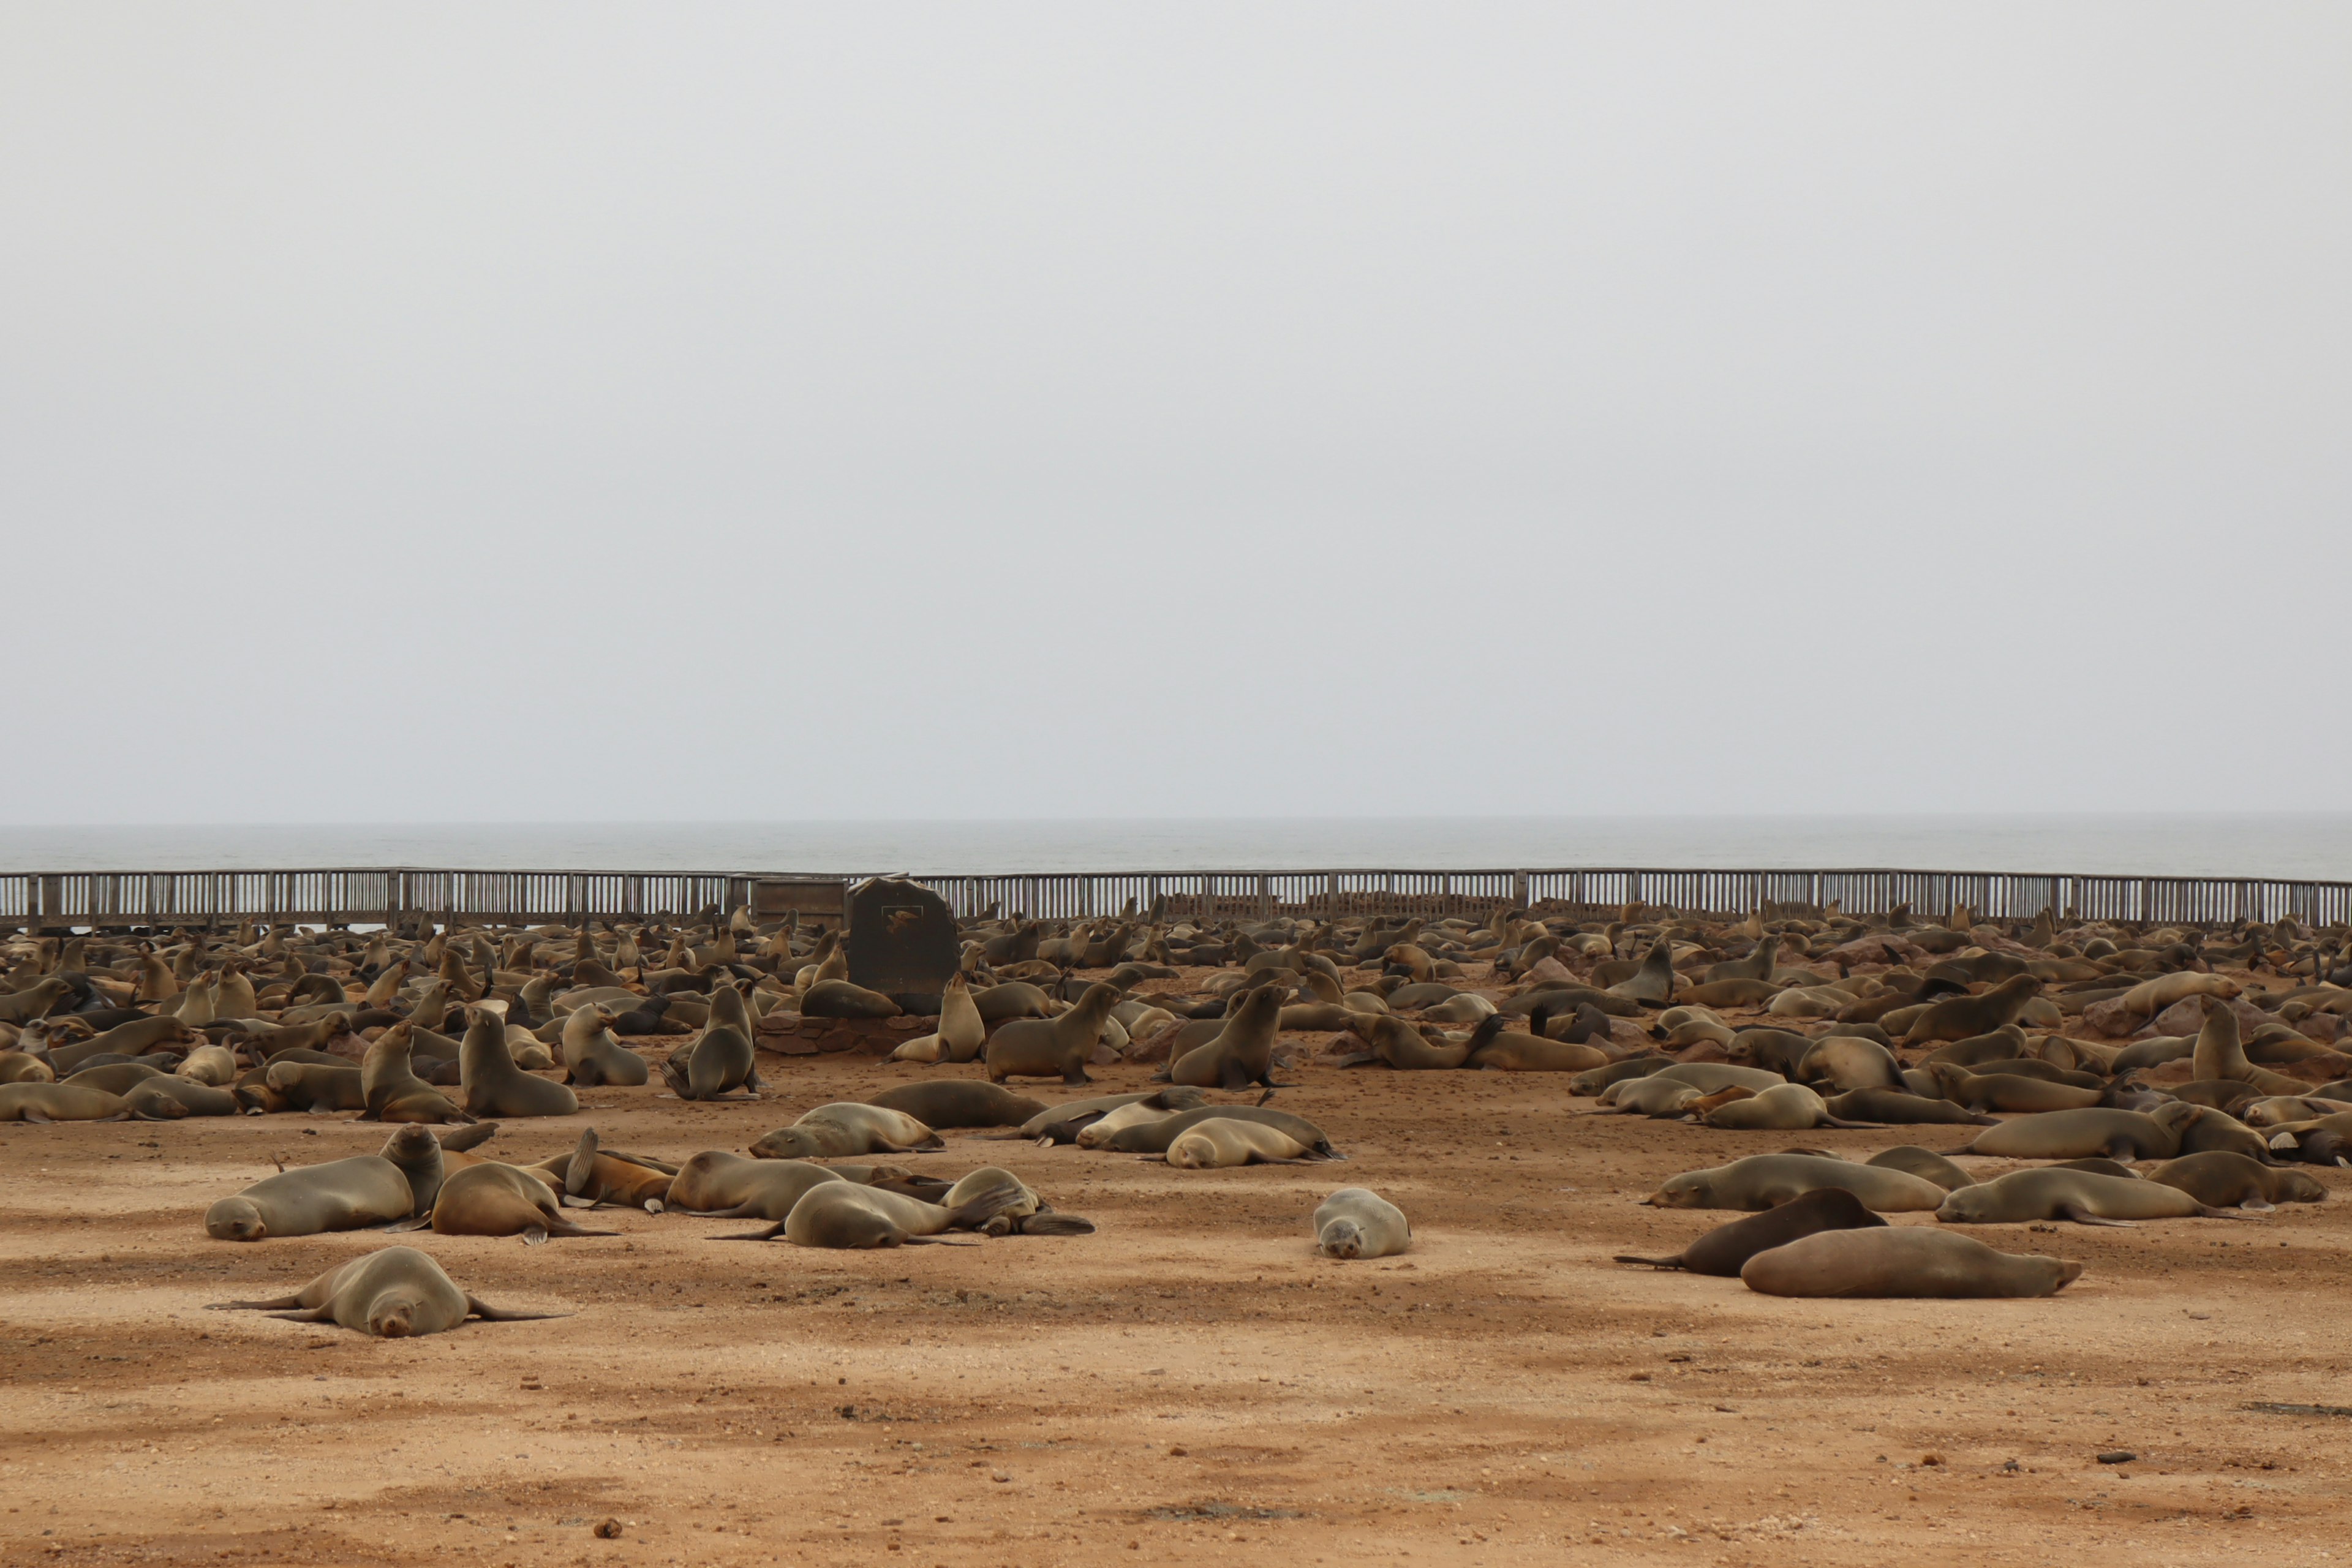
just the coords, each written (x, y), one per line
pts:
(1056, 1225)
(275, 1304)
(769, 1234)
(1653, 1262)
(489, 1314)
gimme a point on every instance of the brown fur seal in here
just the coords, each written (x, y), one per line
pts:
(843, 1129)
(1401, 1045)
(2087, 1197)
(2008, 1092)
(1493, 1049)
(1923, 1164)
(38, 1102)
(396, 1293)
(340, 1194)
(1355, 1222)
(958, 1102)
(1959, 1017)
(2071, 1134)
(719, 1185)
(591, 1056)
(840, 999)
(1904, 1261)
(2226, 1180)
(16, 1067)
(1893, 1106)
(1725, 1249)
(491, 1199)
(2218, 1053)
(1767, 1181)
(720, 1060)
(1062, 1123)
(392, 1091)
(1783, 1108)
(1220, 1142)
(1243, 1052)
(1653, 983)
(308, 1086)
(1051, 1048)
(1154, 1137)
(495, 1086)
(844, 1215)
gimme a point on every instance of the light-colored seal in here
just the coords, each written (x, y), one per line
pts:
(2007, 1092)
(392, 1091)
(396, 1293)
(2087, 1197)
(837, 1130)
(719, 1185)
(1766, 1180)
(1154, 1137)
(1892, 1107)
(1727, 1248)
(1220, 1142)
(2124, 1135)
(1355, 1222)
(1923, 1164)
(1904, 1261)
(491, 1199)
(844, 1215)
(1783, 1108)
(494, 1086)
(35, 1101)
(1051, 1048)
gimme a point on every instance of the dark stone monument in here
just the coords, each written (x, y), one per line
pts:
(902, 942)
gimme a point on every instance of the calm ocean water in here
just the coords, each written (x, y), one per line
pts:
(2311, 846)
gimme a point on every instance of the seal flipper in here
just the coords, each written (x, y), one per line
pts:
(458, 1139)
(2082, 1216)
(769, 1234)
(2209, 1211)
(414, 1222)
(310, 1315)
(1055, 1224)
(582, 1173)
(275, 1304)
(1674, 1262)
(489, 1314)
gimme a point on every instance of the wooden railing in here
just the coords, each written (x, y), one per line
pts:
(377, 896)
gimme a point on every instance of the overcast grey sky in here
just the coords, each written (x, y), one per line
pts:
(581, 412)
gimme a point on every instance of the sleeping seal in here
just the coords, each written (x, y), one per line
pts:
(1727, 1248)
(396, 1293)
(1903, 1261)
(1355, 1222)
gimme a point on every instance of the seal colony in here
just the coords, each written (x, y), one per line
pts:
(2008, 1074)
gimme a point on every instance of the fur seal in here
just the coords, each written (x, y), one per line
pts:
(1897, 1108)
(840, 999)
(1848, 1062)
(1767, 1181)
(1220, 1142)
(1399, 1044)
(16, 1067)
(1025, 1214)
(1154, 1137)
(1904, 1261)
(1725, 1249)
(2072, 1134)
(2219, 1054)
(1653, 983)
(1052, 1046)
(958, 1102)
(491, 1199)
(2008, 1092)
(1355, 1222)
(494, 1086)
(1062, 1123)
(310, 1086)
(1242, 1053)
(2226, 1180)
(340, 1194)
(2087, 1197)
(392, 1091)
(590, 1178)
(34, 1101)
(844, 1128)
(721, 1185)
(844, 1215)
(591, 1056)
(1491, 1048)
(396, 1293)
(1959, 1017)
(1783, 1108)
(962, 1031)
(1923, 1164)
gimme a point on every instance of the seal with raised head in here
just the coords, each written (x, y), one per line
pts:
(1724, 1250)
(1051, 1048)
(1768, 1181)
(1243, 1052)
(392, 1091)
(494, 1085)
(1959, 1017)
(396, 1293)
(720, 1060)
(1355, 1222)
(591, 1056)
(340, 1194)
(1904, 1261)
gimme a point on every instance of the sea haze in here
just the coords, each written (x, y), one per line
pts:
(2295, 847)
